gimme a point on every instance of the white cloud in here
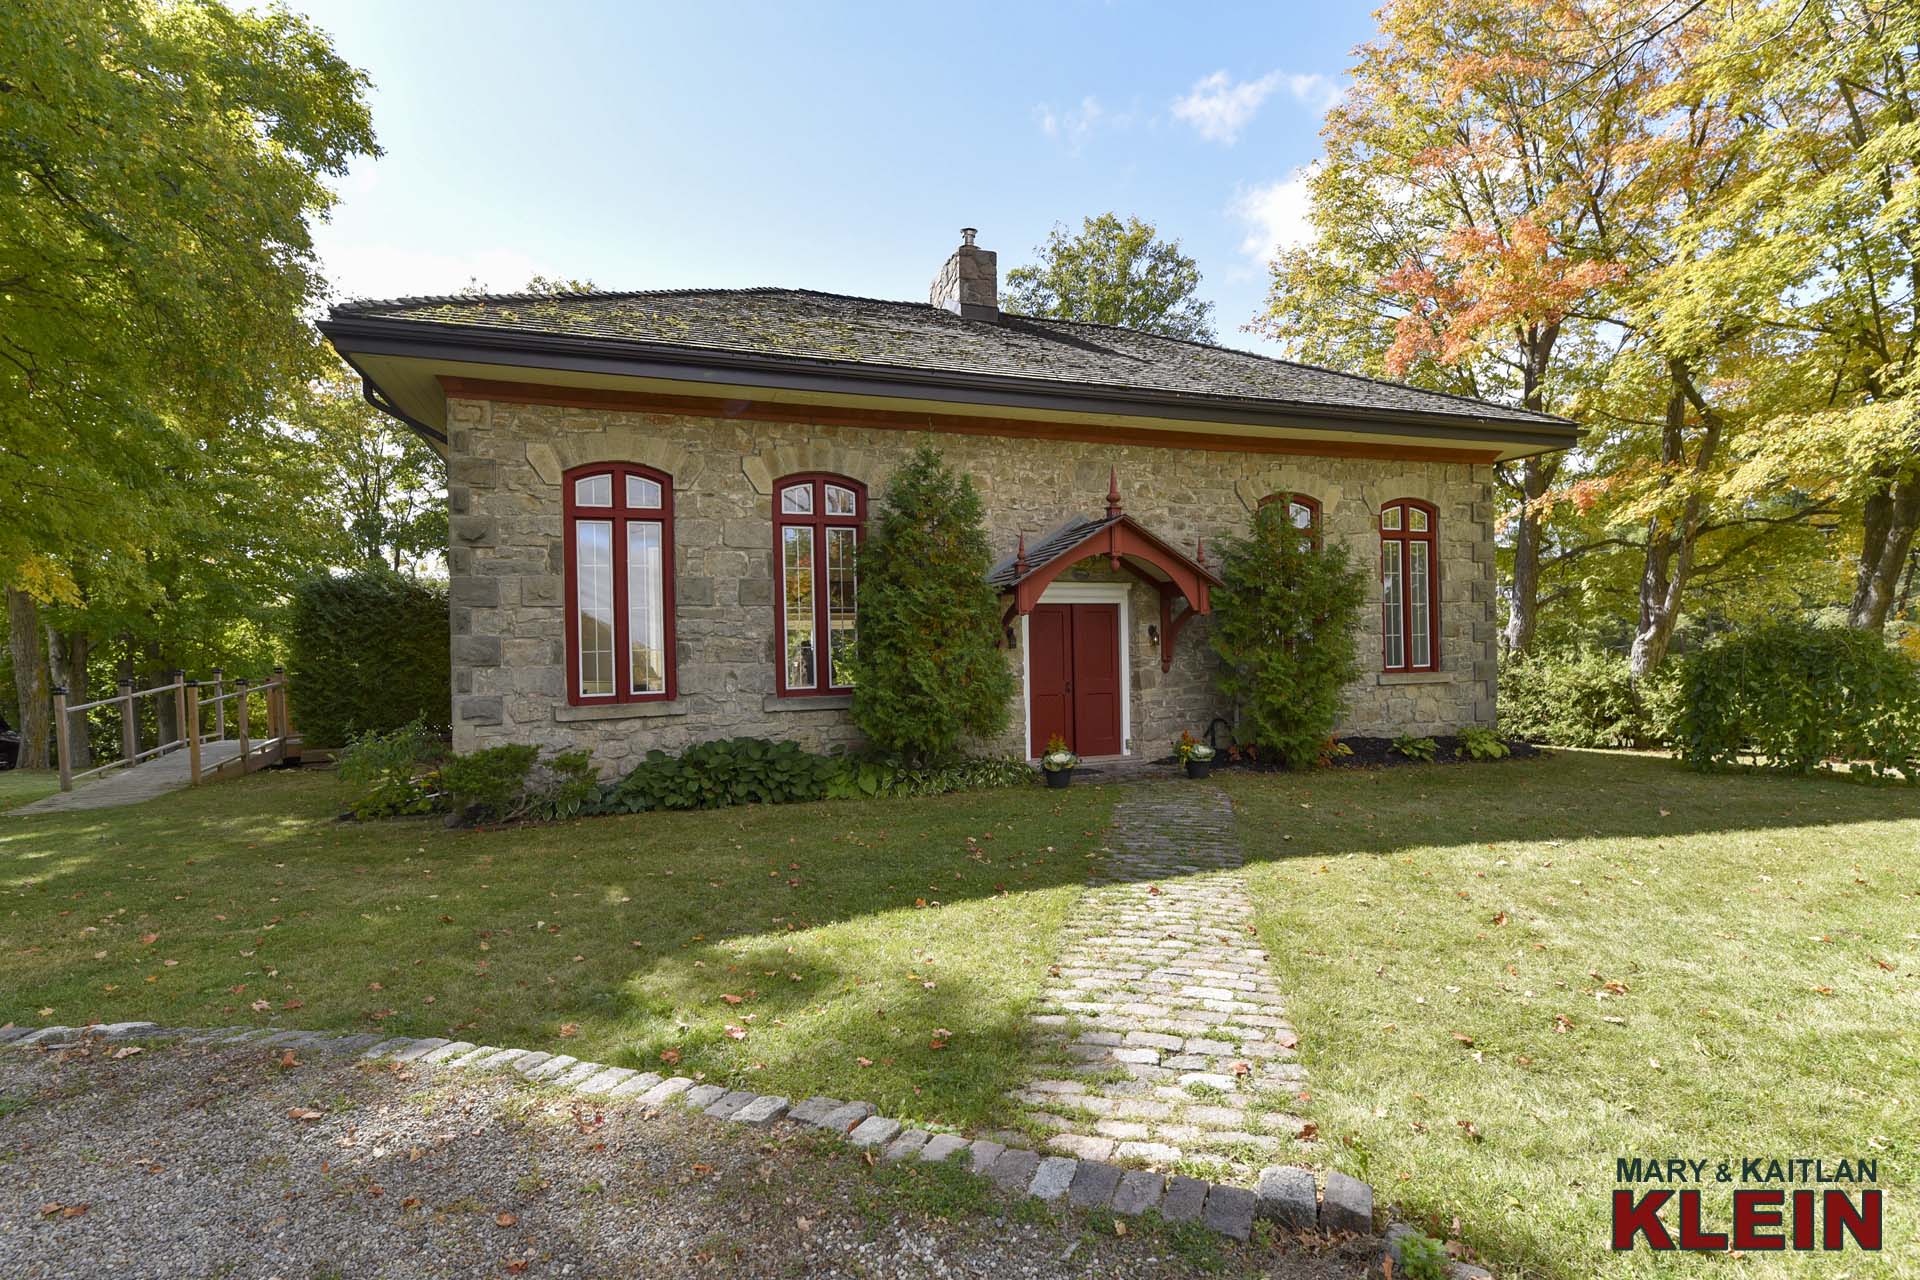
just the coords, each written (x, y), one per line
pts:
(1219, 107)
(1073, 125)
(1276, 215)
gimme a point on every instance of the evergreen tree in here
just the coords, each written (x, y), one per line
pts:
(928, 670)
(1283, 627)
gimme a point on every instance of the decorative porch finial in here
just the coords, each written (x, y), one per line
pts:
(1020, 556)
(1113, 492)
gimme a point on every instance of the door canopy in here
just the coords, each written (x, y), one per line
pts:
(1127, 545)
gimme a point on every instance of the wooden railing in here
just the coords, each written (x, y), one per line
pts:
(190, 715)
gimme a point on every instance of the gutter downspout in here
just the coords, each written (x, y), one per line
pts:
(378, 398)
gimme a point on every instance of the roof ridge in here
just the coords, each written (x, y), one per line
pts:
(1294, 364)
(438, 299)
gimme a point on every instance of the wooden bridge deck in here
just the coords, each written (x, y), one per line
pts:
(155, 777)
(191, 757)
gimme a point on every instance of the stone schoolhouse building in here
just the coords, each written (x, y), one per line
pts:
(656, 500)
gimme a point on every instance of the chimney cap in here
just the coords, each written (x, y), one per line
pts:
(968, 233)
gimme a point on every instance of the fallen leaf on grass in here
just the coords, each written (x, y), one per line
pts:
(1463, 1038)
(504, 1219)
(865, 1062)
(64, 1210)
(1470, 1129)
(516, 1266)
(288, 1060)
(736, 1033)
(670, 1056)
(304, 1113)
(148, 939)
(732, 999)
(127, 1052)
(261, 1006)
(569, 1029)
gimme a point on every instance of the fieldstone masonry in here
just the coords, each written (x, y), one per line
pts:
(1162, 1033)
(506, 461)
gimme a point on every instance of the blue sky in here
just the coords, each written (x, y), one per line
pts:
(836, 148)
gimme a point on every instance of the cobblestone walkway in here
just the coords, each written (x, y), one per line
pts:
(1161, 1037)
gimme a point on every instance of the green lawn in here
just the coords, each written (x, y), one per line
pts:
(22, 786)
(855, 935)
(1736, 960)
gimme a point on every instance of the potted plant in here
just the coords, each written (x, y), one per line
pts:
(1058, 762)
(1195, 754)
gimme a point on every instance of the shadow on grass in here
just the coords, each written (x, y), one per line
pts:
(847, 931)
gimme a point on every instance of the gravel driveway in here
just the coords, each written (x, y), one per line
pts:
(185, 1161)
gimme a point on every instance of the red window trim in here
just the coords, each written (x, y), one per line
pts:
(1311, 504)
(619, 514)
(1396, 542)
(819, 522)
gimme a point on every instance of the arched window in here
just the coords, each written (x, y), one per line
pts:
(818, 520)
(1303, 511)
(619, 584)
(1409, 587)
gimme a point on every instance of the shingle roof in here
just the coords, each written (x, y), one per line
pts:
(804, 325)
(1006, 572)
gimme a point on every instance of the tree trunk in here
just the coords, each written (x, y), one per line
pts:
(1670, 544)
(1536, 477)
(67, 653)
(1523, 614)
(30, 678)
(1889, 518)
(166, 719)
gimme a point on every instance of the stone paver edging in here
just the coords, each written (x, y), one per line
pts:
(1284, 1196)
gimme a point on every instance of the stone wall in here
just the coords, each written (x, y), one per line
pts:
(505, 462)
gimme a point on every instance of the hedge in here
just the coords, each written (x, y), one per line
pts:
(1792, 696)
(1586, 699)
(370, 653)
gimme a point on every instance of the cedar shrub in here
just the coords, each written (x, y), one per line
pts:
(928, 669)
(1283, 626)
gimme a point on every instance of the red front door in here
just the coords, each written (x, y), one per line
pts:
(1074, 679)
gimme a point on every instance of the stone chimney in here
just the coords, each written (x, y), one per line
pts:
(969, 285)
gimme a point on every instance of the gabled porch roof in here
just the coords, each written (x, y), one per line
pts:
(1127, 545)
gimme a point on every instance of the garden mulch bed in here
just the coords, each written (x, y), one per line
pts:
(1373, 753)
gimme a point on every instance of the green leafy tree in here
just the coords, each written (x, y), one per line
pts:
(1117, 273)
(1283, 626)
(164, 161)
(388, 484)
(1819, 242)
(928, 669)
